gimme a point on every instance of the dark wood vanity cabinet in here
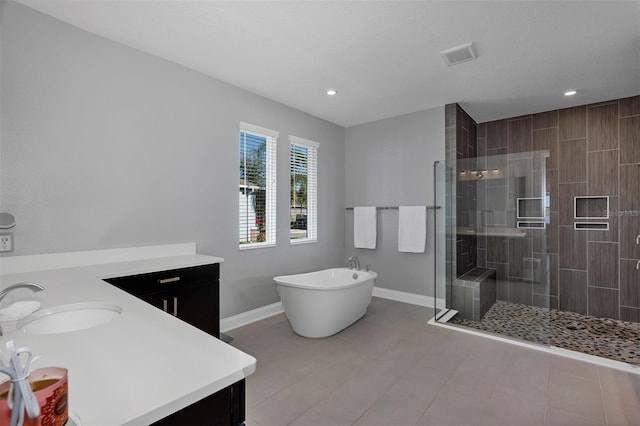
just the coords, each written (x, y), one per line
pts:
(223, 408)
(191, 294)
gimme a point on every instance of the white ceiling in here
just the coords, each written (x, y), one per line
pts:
(383, 56)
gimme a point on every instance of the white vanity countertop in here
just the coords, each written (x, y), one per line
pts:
(139, 367)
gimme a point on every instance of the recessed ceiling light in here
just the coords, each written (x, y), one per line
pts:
(332, 92)
(570, 92)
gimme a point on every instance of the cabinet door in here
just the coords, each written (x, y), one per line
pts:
(159, 299)
(223, 408)
(196, 304)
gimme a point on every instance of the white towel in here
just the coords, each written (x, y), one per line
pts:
(365, 227)
(19, 310)
(412, 229)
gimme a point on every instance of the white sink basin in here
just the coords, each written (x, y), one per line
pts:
(66, 318)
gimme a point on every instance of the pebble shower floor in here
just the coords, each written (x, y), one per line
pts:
(606, 338)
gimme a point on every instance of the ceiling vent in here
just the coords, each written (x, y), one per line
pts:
(459, 54)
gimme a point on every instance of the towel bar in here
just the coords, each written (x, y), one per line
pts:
(396, 208)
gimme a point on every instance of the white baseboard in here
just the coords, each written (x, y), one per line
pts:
(412, 298)
(263, 312)
(251, 316)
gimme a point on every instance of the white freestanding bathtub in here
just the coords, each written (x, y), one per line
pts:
(320, 304)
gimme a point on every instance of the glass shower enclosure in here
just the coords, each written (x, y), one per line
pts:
(494, 268)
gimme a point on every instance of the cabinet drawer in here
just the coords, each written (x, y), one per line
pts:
(142, 284)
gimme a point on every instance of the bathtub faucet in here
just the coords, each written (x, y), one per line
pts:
(353, 262)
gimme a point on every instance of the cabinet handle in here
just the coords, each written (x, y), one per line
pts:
(638, 239)
(164, 305)
(638, 266)
(168, 280)
(175, 306)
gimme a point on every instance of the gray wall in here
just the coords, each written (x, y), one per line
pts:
(104, 146)
(390, 163)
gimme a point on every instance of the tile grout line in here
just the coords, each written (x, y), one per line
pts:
(604, 405)
(546, 397)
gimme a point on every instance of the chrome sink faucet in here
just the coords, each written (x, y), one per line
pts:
(353, 262)
(31, 286)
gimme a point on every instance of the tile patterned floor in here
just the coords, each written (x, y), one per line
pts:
(390, 368)
(608, 338)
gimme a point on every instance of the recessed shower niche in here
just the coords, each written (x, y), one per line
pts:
(588, 208)
(530, 208)
(530, 213)
(591, 207)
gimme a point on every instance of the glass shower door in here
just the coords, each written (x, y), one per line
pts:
(495, 227)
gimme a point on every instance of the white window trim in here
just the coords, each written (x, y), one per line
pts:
(272, 167)
(306, 142)
(252, 128)
(312, 205)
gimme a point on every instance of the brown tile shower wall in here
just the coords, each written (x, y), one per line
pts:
(506, 146)
(461, 140)
(629, 206)
(594, 150)
(450, 199)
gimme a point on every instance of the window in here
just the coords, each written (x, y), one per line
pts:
(303, 166)
(257, 191)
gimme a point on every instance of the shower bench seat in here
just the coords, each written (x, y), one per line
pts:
(474, 293)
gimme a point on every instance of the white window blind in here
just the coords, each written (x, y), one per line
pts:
(257, 190)
(303, 172)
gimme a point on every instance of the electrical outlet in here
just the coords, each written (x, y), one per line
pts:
(6, 242)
